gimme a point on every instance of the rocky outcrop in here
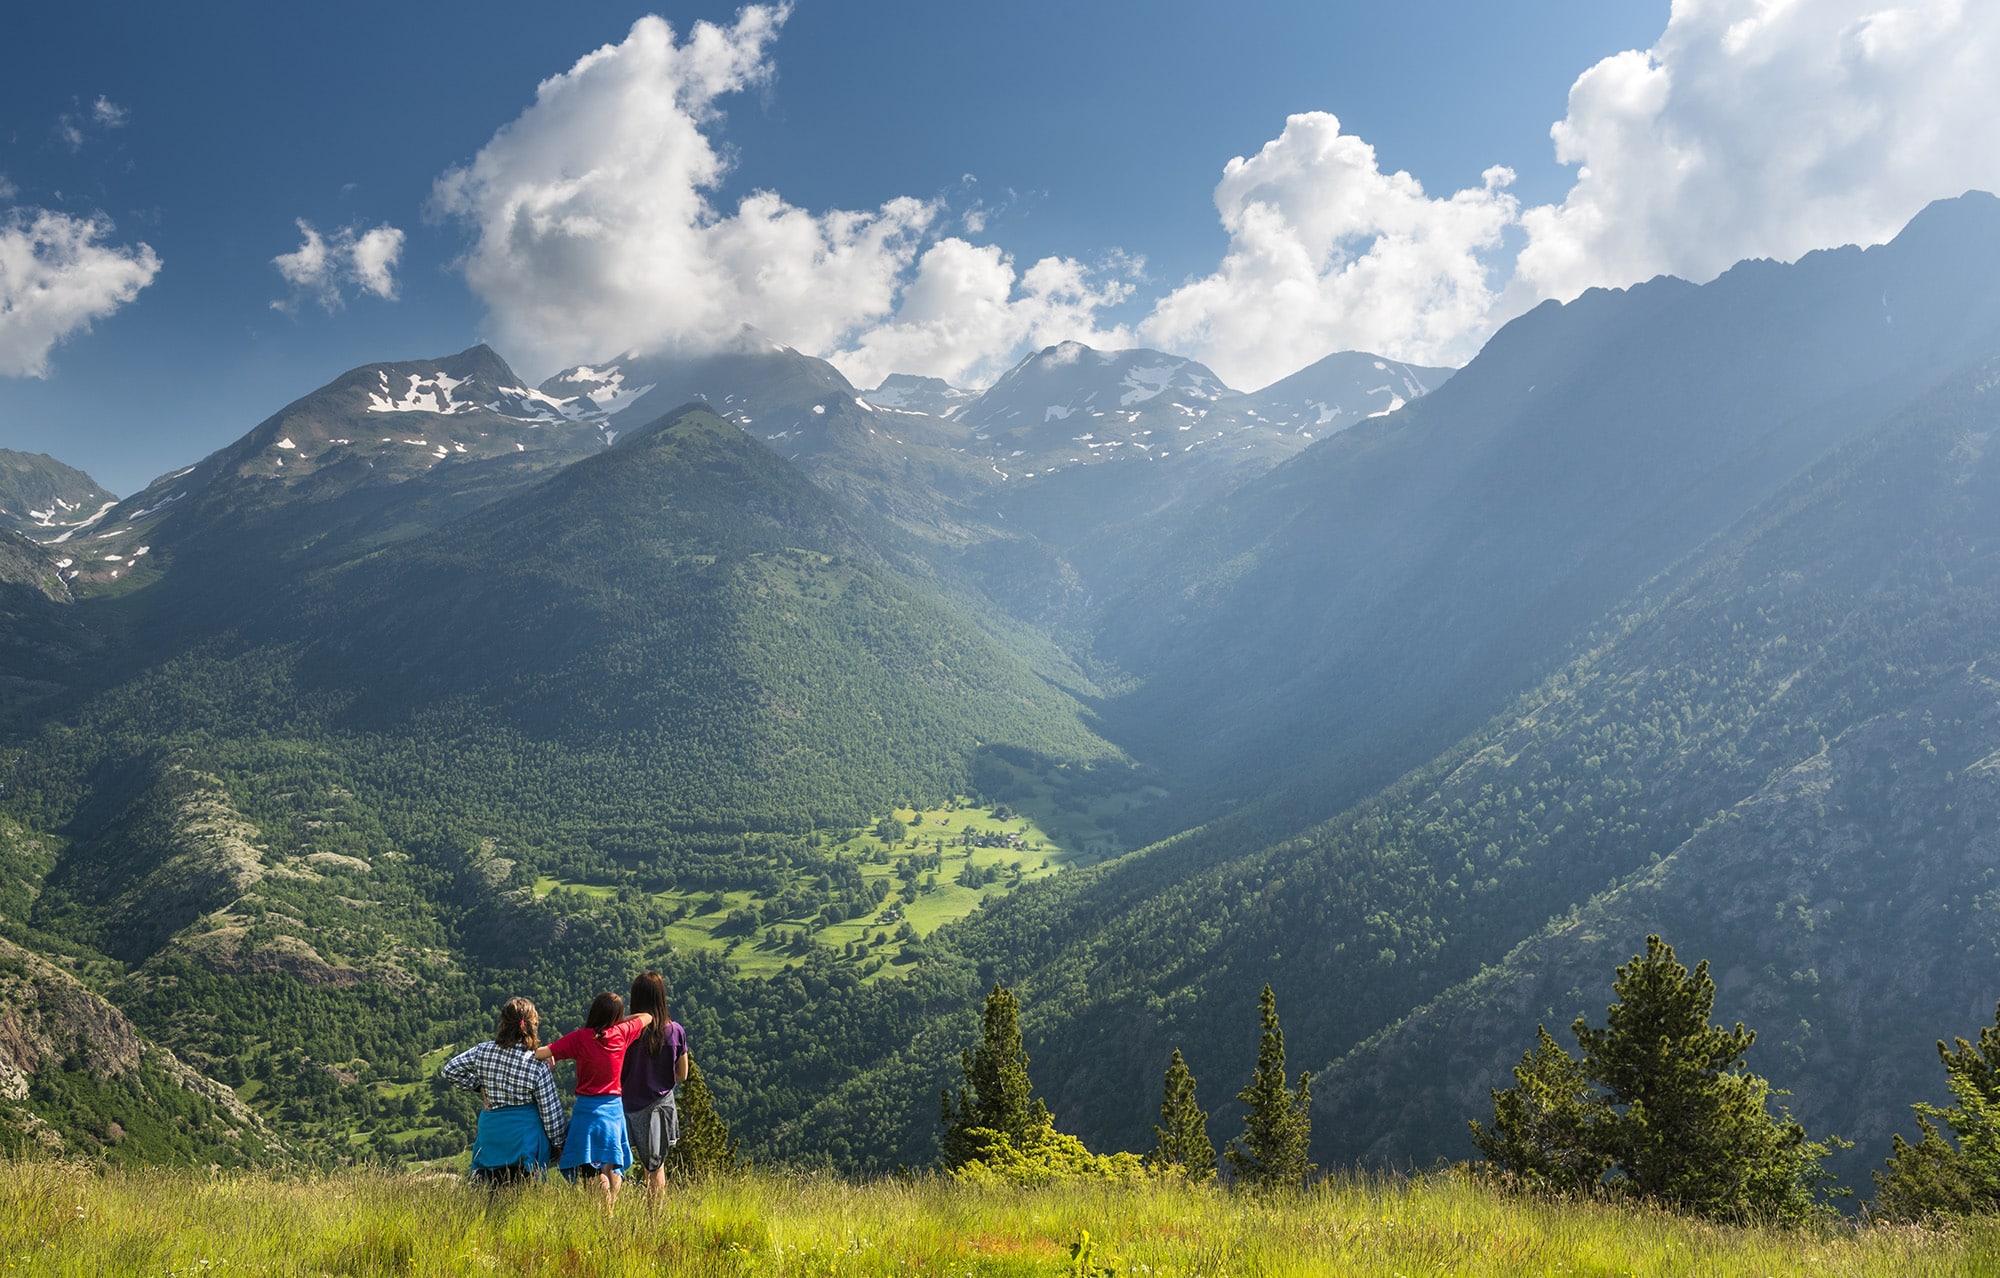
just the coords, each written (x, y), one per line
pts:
(50, 1020)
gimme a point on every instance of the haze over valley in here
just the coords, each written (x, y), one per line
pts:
(843, 631)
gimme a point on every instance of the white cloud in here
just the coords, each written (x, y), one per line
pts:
(594, 230)
(1766, 128)
(374, 257)
(56, 278)
(967, 313)
(321, 270)
(1327, 252)
(101, 114)
(1751, 128)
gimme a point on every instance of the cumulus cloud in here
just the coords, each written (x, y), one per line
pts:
(1327, 252)
(322, 269)
(107, 113)
(1751, 128)
(593, 227)
(967, 312)
(1765, 128)
(56, 277)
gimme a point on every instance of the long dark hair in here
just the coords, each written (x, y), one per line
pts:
(518, 1022)
(606, 1010)
(649, 994)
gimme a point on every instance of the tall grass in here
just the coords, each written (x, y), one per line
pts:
(64, 1220)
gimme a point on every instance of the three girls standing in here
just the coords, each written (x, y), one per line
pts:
(626, 1068)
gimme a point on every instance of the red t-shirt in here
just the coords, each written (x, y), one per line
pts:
(597, 1059)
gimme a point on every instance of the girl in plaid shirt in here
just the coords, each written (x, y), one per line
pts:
(522, 1126)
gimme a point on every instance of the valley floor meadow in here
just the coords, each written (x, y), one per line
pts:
(68, 1219)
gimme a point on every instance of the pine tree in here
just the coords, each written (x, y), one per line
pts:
(1183, 1131)
(1271, 1152)
(1662, 1101)
(1549, 1128)
(1694, 1130)
(704, 1148)
(996, 1095)
(1940, 1177)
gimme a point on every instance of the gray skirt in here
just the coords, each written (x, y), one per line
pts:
(653, 1131)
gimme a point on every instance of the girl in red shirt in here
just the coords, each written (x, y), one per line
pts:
(597, 1145)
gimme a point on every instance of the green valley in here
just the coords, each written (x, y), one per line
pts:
(1673, 612)
(870, 895)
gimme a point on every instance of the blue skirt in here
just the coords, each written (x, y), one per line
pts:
(597, 1135)
(510, 1136)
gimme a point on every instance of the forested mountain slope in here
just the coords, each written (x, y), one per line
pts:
(1842, 888)
(663, 668)
(1778, 757)
(1358, 607)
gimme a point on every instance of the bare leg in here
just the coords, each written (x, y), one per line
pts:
(656, 1180)
(613, 1182)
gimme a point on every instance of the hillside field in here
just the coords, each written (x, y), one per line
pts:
(67, 1219)
(917, 867)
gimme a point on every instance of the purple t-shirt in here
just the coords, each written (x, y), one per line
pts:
(647, 1078)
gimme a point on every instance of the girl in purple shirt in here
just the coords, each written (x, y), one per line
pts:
(654, 1063)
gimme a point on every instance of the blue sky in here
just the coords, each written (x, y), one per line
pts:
(949, 184)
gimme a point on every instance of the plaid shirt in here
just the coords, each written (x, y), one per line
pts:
(508, 1076)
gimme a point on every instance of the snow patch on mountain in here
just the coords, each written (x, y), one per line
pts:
(424, 395)
(1147, 383)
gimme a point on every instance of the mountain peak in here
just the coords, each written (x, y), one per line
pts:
(1958, 218)
(912, 393)
(479, 363)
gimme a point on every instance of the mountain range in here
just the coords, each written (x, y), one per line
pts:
(1422, 695)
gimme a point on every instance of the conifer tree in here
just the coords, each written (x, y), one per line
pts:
(1695, 1131)
(1184, 1146)
(705, 1148)
(1548, 1128)
(1676, 1116)
(1271, 1152)
(1940, 1177)
(996, 1095)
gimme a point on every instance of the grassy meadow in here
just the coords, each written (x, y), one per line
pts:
(65, 1219)
(1010, 844)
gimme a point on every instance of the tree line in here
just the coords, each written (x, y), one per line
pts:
(1659, 1106)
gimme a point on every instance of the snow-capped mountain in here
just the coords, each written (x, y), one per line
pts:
(41, 497)
(1062, 391)
(768, 389)
(913, 394)
(373, 426)
(1071, 405)
(1337, 392)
